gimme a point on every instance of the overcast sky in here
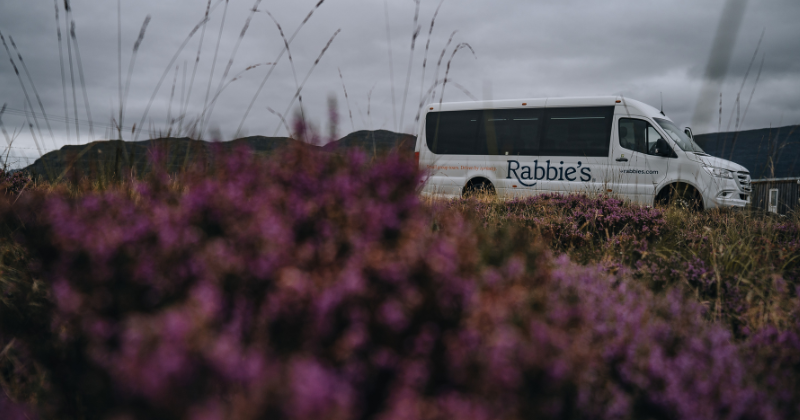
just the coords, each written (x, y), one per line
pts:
(522, 49)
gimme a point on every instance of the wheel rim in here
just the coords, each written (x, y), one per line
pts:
(685, 199)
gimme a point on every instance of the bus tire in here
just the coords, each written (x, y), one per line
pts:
(681, 195)
(478, 187)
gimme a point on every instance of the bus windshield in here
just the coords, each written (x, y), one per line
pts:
(681, 139)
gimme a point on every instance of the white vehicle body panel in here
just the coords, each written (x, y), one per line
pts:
(631, 175)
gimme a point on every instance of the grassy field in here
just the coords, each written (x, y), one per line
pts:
(317, 285)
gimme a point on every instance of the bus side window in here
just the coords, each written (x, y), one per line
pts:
(584, 131)
(511, 132)
(652, 139)
(638, 135)
(627, 134)
(455, 133)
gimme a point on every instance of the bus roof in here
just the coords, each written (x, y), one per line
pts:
(630, 106)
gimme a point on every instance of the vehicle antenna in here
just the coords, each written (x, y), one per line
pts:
(662, 103)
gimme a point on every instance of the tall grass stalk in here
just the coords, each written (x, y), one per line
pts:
(416, 29)
(333, 118)
(213, 65)
(63, 77)
(746, 108)
(283, 120)
(347, 100)
(737, 104)
(439, 62)
(119, 65)
(35, 92)
(391, 63)
(755, 84)
(369, 116)
(450, 61)
(197, 60)
(67, 13)
(132, 63)
(274, 64)
(236, 77)
(194, 30)
(425, 63)
(9, 138)
(463, 89)
(436, 83)
(291, 63)
(308, 75)
(83, 80)
(169, 107)
(369, 106)
(210, 107)
(109, 133)
(3, 127)
(744, 80)
(28, 102)
(30, 126)
(136, 46)
(426, 98)
(183, 90)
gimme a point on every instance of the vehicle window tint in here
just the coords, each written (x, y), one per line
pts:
(484, 132)
(454, 133)
(638, 135)
(514, 131)
(632, 134)
(577, 131)
(652, 138)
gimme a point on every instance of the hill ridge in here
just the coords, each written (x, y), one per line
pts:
(103, 157)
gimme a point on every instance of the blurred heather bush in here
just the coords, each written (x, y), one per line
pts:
(314, 285)
(14, 182)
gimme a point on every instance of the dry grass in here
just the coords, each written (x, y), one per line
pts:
(743, 266)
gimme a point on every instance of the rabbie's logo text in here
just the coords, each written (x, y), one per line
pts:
(550, 173)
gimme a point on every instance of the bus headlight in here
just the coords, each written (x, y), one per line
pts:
(719, 172)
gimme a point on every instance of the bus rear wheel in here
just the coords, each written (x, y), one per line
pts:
(478, 188)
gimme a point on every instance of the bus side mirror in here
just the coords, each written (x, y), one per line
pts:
(663, 149)
(688, 132)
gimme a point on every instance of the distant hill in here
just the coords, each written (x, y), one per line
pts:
(100, 158)
(383, 141)
(766, 153)
(104, 157)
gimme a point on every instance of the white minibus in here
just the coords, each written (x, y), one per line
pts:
(610, 145)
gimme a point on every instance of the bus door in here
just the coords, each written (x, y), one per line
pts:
(638, 168)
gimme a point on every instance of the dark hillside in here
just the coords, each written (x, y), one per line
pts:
(108, 157)
(766, 153)
(105, 157)
(384, 142)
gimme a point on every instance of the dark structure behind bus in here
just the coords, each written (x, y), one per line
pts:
(766, 153)
(776, 195)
